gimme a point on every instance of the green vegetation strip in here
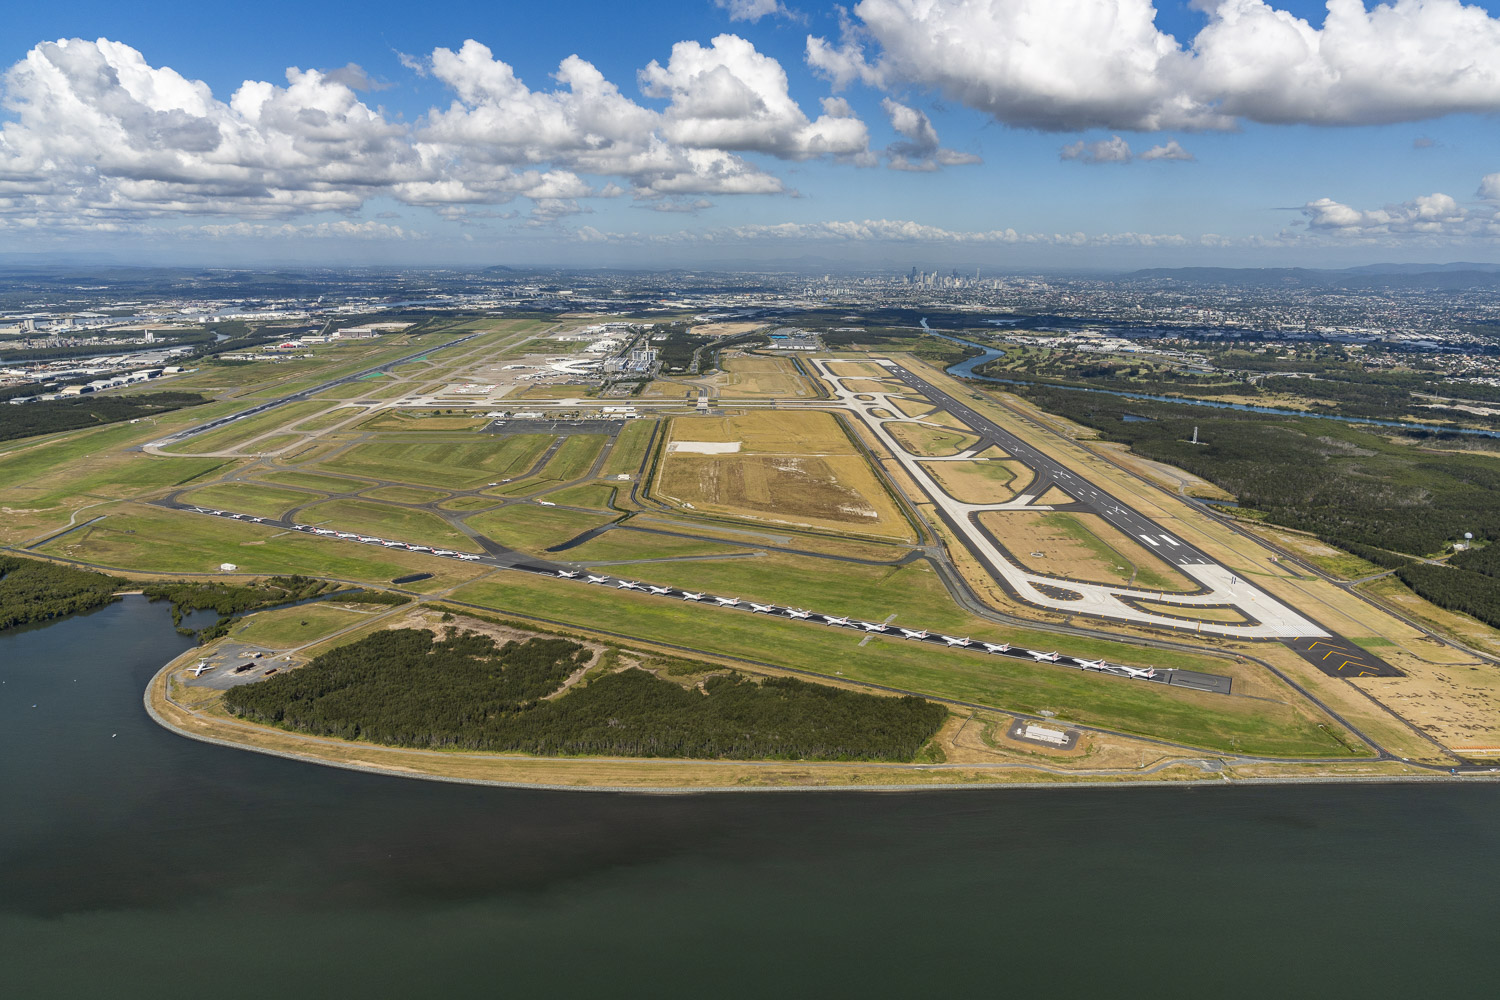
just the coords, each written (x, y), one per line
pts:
(459, 463)
(370, 517)
(32, 590)
(404, 687)
(1199, 719)
(249, 498)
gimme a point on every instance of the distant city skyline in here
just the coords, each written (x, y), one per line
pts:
(1014, 134)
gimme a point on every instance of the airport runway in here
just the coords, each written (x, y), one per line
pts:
(1050, 473)
(295, 397)
(1268, 617)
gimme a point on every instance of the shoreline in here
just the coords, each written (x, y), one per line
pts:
(756, 776)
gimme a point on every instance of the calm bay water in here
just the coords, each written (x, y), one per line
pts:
(137, 863)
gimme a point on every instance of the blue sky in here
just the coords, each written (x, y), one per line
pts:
(1370, 139)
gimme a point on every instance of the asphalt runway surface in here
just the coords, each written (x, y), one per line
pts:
(1050, 472)
(1349, 662)
(1338, 657)
(304, 394)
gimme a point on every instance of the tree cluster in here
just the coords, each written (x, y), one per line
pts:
(405, 687)
(1333, 480)
(230, 599)
(32, 590)
(56, 415)
(1455, 589)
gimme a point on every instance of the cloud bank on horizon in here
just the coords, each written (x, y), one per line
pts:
(97, 139)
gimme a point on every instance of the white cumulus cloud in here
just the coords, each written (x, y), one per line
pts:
(751, 10)
(95, 136)
(1111, 150)
(1169, 150)
(1068, 65)
(918, 148)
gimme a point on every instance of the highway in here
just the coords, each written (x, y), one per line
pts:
(300, 395)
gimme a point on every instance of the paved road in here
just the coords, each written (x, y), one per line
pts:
(299, 396)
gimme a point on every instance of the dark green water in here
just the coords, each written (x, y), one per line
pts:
(136, 863)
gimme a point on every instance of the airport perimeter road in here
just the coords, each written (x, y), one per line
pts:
(299, 396)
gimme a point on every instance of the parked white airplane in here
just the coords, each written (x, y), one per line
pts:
(950, 640)
(727, 602)
(835, 620)
(914, 633)
(567, 574)
(1090, 664)
(996, 647)
(628, 585)
(688, 595)
(658, 590)
(798, 613)
(598, 579)
(764, 609)
(1145, 675)
(872, 626)
(1038, 655)
(200, 668)
(546, 503)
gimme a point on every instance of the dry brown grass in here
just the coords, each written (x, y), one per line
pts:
(857, 368)
(1081, 547)
(930, 442)
(793, 468)
(980, 481)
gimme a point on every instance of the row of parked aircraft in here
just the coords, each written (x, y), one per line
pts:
(346, 535)
(920, 635)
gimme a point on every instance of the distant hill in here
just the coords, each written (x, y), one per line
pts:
(1427, 276)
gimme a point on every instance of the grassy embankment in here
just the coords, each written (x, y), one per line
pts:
(1210, 721)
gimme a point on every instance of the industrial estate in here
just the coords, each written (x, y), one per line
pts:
(687, 547)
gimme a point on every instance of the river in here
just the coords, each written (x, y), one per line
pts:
(136, 863)
(968, 369)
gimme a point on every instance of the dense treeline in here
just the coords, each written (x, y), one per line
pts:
(1330, 479)
(32, 590)
(89, 411)
(1485, 560)
(230, 599)
(1380, 557)
(1455, 589)
(404, 687)
(676, 352)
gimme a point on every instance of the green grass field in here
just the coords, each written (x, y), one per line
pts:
(574, 457)
(630, 448)
(250, 498)
(240, 431)
(369, 517)
(461, 463)
(285, 628)
(153, 540)
(467, 503)
(313, 481)
(1196, 718)
(623, 543)
(595, 496)
(532, 529)
(406, 494)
